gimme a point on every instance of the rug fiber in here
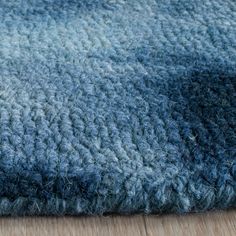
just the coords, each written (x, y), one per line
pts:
(117, 106)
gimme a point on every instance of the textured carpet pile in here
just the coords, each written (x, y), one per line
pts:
(117, 106)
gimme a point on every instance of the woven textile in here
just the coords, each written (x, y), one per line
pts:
(117, 106)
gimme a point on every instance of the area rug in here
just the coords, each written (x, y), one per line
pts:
(117, 106)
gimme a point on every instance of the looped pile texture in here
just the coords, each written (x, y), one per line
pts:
(117, 106)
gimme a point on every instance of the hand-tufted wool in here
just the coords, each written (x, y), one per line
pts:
(117, 106)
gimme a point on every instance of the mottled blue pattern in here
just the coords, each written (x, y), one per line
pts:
(117, 106)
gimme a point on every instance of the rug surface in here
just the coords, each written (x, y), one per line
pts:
(117, 106)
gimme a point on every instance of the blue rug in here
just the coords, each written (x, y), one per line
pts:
(117, 106)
